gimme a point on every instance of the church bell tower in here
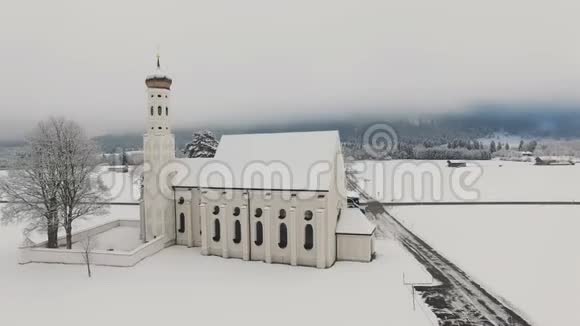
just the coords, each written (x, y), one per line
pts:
(157, 216)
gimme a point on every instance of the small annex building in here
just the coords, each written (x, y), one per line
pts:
(355, 236)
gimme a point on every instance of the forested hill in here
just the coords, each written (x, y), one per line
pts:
(438, 129)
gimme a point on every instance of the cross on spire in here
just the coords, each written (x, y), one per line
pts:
(158, 64)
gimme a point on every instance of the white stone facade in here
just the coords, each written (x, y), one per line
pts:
(288, 216)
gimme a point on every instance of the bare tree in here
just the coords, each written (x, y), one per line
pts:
(31, 186)
(88, 245)
(80, 191)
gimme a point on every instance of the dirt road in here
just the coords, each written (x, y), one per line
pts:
(459, 300)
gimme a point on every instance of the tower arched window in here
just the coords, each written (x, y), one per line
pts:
(237, 231)
(159, 110)
(166, 110)
(308, 237)
(181, 223)
(308, 215)
(283, 236)
(216, 230)
(152, 111)
(259, 234)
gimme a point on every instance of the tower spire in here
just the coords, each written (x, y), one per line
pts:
(158, 64)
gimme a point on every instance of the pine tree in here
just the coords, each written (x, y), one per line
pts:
(492, 146)
(521, 146)
(203, 144)
(507, 146)
(532, 146)
(124, 157)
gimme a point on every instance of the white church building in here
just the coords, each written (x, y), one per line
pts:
(276, 198)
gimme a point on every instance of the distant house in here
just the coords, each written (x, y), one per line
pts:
(456, 164)
(119, 168)
(553, 162)
(526, 153)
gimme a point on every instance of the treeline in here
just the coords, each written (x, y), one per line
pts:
(451, 154)
(407, 151)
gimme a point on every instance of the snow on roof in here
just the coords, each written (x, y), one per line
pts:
(297, 161)
(353, 221)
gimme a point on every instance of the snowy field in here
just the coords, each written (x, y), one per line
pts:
(529, 255)
(407, 181)
(123, 187)
(178, 285)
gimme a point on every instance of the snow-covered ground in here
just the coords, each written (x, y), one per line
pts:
(407, 181)
(178, 285)
(121, 238)
(526, 254)
(114, 212)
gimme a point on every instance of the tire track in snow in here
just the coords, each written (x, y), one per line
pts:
(458, 300)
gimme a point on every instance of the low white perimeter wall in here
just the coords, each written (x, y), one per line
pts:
(39, 254)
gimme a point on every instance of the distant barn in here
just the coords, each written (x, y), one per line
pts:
(456, 164)
(552, 162)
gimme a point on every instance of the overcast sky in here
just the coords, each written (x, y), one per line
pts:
(243, 61)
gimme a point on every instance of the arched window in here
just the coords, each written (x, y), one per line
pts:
(258, 212)
(283, 236)
(237, 232)
(308, 215)
(166, 111)
(216, 210)
(216, 230)
(308, 237)
(282, 214)
(159, 110)
(152, 111)
(237, 211)
(259, 234)
(181, 200)
(181, 223)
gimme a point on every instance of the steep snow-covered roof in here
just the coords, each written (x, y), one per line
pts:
(288, 161)
(353, 221)
(297, 160)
